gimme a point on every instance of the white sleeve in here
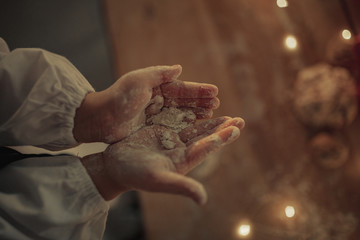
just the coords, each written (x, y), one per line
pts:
(42, 198)
(39, 94)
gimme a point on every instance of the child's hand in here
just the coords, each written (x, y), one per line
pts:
(115, 113)
(156, 159)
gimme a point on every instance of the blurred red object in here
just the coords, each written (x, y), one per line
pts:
(357, 49)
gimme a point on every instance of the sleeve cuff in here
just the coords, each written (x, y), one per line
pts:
(46, 117)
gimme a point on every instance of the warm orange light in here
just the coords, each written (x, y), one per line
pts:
(290, 42)
(346, 34)
(289, 211)
(244, 230)
(282, 3)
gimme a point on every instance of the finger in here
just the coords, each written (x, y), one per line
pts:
(211, 103)
(174, 183)
(181, 89)
(236, 122)
(208, 127)
(156, 75)
(204, 129)
(197, 151)
(155, 104)
(202, 113)
(199, 129)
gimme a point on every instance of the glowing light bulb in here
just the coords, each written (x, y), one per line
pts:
(244, 230)
(346, 34)
(290, 42)
(289, 211)
(282, 3)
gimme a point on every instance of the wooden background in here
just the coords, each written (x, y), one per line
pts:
(238, 46)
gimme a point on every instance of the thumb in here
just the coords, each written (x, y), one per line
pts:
(157, 75)
(174, 183)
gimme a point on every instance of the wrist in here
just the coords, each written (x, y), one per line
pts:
(95, 167)
(87, 119)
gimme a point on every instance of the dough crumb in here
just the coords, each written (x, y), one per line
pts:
(166, 141)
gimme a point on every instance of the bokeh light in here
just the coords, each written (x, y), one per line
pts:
(346, 34)
(289, 211)
(244, 230)
(290, 42)
(282, 3)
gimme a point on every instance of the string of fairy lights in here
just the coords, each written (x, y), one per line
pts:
(290, 41)
(244, 228)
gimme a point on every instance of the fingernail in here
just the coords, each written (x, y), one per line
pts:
(234, 135)
(239, 122)
(229, 137)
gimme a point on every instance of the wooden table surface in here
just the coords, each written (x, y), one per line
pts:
(238, 46)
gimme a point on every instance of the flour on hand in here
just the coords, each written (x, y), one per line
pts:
(175, 120)
(167, 141)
